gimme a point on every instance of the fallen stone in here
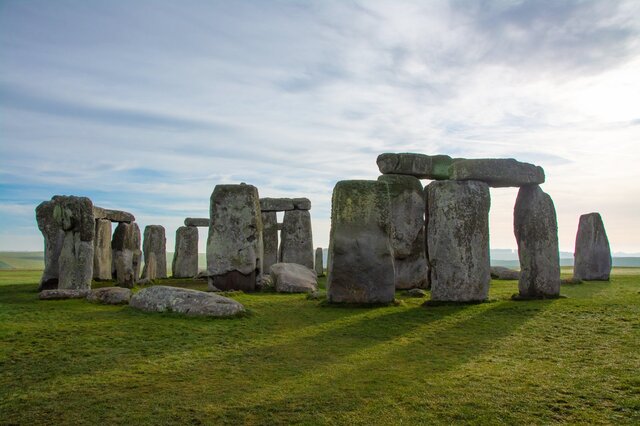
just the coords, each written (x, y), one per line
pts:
(360, 266)
(536, 231)
(75, 216)
(184, 301)
(102, 257)
(497, 172)
(202, 222)
(420, 166)
(110, 295)
(416, 292)
(185, 256)
(154, 248)
(125, 248)
(301, 204)
(319, 267)
(53, 240)
(592, 255)
(502, 273)
(458, 240)
(270, 240)
(112, 215)
(235, 246)
(60, 294)
(296, 241)
(293, 278)
(407, 231)
(276, 204)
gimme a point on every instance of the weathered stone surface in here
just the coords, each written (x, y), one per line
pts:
(502, 273)
(301, 204)
(234, 245)
(125, 248)
(270, 240)
(407, 230)
(110, 295)
(592, 256)
(419, 165)
(162, 298)
(457, 218)
(293, 278)
(112, 215)
(536, 231)
(53, 239)
(318, 265)
(497, 172)
(276, 204)
(102, 258)
(296, 241)
(154, 248)
(75, 216)
(360, 267)
(185, 256)
(280, 226)
(197, 221)
(66, 293)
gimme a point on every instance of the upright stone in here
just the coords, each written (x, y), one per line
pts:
(592, 256)
(154, 248)
(75, 216)
(418, 165)
(536, 230)
(185, 257)
(234, 246)
(407, 230)
(457, 218)
(497, 172)
(296, 245)
(360, 266)
(270, 240)
(102, 258)
(126, 253)
(319, 262)
(53, 240)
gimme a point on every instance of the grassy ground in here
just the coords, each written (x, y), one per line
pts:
(293, 360)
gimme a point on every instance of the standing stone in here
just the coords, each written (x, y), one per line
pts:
(407, 230)
(102, 258)
(360, 255)
(592, 256)
(234, 245)
(53, 239)
(296, 245)
(75, 216)
(154, 248)
(126, 253)
(319, 263)
(270, 240)
(536, 230)
(185, 257)
(457, 218)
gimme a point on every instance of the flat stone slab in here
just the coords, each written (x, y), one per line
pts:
(113, 215)
(185, 301)
(502, 273)
(419, 165)
(60, 294)
(110, 295)
(497, 172)
(276, 204)
(293, 278)
(302, 204)
(197, 221)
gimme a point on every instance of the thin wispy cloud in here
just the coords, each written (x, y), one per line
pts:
(146, 106)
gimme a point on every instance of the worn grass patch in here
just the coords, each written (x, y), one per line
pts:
(293, 360)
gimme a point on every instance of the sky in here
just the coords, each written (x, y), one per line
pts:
(145, 106)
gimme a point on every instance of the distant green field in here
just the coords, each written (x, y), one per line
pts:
(296, 361)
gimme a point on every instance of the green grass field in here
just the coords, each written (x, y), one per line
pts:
(293, 360)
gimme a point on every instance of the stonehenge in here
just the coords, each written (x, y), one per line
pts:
(592, 255)
(536, 230)
(185, 256)
(497, 172)
(154, 248)
(102, 258)
(318, 265)
(296, 245)
(53, 239)
(234, 245)
(126, 252)
(270, 239)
